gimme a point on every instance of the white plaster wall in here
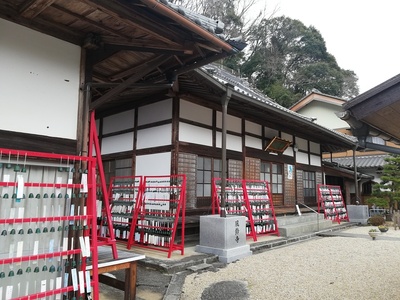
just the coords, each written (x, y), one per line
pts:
(39, 82)
(232, 123)
(154, 137)
(253, 128)
(118, 122)
(153, 164)
(117, 143)
(195, 112)
(287, 137)
(253, 142)
(302, 158)
(325, 114)
(194, 134)
(233, 142)
(302, 144)
(270, 133)
(289, 151)
(155, 112)
(315, 160)
(315, 148)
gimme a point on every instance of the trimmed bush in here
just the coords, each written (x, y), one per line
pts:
(376, 220)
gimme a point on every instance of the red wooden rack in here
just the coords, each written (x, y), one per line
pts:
(249, 198)
(159, 211)
(124, 192)
(48, 226)
(330, 201)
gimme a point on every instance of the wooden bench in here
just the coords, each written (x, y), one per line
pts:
(126, 261)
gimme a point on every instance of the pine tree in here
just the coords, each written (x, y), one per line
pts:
(386, 194)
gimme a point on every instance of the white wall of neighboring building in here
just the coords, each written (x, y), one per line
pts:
(39, 82)
(324, 114)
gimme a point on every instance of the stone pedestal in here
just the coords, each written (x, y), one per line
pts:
(225, 237)
(358, 213)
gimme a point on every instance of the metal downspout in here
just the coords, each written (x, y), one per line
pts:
(355, 174)
(224, 102)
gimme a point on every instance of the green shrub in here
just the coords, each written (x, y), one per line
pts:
(376, 220)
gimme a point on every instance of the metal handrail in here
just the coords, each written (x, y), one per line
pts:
(313, 210)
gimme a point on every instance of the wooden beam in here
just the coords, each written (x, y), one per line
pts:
(89, 21)
(140, 45)
(137, 19)
(34, 7)
(130, 71)
(200, 63)
(140, 72)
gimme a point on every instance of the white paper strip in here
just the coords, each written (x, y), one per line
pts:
(84, 182)
(69, 191)
(20, 247)
(87, 246)
(58, 286)
(12, 212)
(82, 244)
(74, 279)
(65, 246)
(35, 247)
(6, 178)
(9, 291)
(21, 211)
(43, 287)
(88, 282)
(66, 276)
(81, 282)
(20, 186)
(51, 246)
(72, 213)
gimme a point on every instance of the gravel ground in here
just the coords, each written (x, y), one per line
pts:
(322, 268)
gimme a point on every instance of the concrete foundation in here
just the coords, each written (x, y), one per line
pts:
(358, 213)
(225, 237)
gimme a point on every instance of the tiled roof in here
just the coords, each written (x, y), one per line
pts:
(242, 86)
(367, 161)
(214, 26)
(317, 92)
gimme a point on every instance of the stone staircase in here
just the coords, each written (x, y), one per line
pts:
(295, 225)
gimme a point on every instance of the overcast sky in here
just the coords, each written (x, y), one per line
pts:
(361, 34)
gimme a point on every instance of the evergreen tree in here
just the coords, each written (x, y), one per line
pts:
(284, 59)
(285, 53)
(386, 194)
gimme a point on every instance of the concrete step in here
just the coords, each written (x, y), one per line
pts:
(295, 219)
(301, 228)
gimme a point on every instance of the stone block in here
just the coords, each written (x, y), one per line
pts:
(225, 237)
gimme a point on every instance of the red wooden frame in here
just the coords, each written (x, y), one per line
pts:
(106, 215)
(236, 202)
(330, 201)
(261, 206)
(130, 188)
(249, 198)
(86, 220)
(156, 228)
